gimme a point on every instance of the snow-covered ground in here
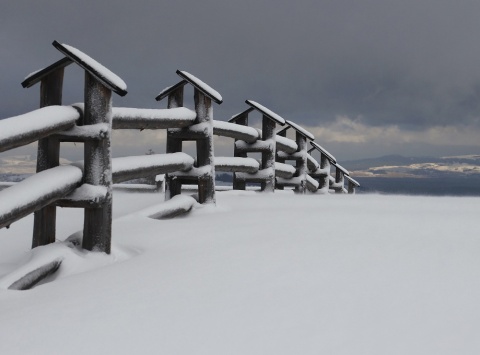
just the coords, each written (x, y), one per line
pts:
(258, 274)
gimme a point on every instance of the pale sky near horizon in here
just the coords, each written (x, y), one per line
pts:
(368, 78)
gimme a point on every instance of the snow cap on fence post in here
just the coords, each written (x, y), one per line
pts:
(97, 70)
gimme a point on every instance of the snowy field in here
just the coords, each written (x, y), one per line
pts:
(258, 274)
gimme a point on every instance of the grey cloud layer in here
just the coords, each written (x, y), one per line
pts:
(407, 63)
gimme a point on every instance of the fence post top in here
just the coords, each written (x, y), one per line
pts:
(301, 130)
(324, 152)
(341, 168)
(235, 117)
(33, 78)
(170, 89)
(200, 85)
(101, 73)
(353, 181)
(266, 112)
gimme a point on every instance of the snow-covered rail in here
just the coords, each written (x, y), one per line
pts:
(134, 167)
(235, 164)
(36, 192)
(32, 126)
(232, 130)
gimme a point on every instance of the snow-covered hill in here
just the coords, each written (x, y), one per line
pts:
(21, 164)
(258, 274)
(397, 166)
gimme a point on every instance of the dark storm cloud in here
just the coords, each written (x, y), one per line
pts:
(406, 63)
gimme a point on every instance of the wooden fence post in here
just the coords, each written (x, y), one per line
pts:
(352, 184)
(268, 156)
(301, 162)
(97, 231)
(205, 157)
(281, 133)
(173, 186)
(48, 155)
(339, 179)
(351, 187)
(325, 180)
(241, 119)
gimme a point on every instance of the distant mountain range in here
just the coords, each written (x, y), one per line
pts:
(397, 166)
(18, 167)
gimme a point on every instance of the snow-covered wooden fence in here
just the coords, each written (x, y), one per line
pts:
(88, 184)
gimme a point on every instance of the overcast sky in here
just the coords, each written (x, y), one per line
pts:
(367, 77)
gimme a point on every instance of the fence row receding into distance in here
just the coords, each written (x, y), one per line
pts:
(88, 184)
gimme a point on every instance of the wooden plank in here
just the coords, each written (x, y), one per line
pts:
(266, 112)
(92, 67)
(39, 75)
(174, 89)
(199, 85)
